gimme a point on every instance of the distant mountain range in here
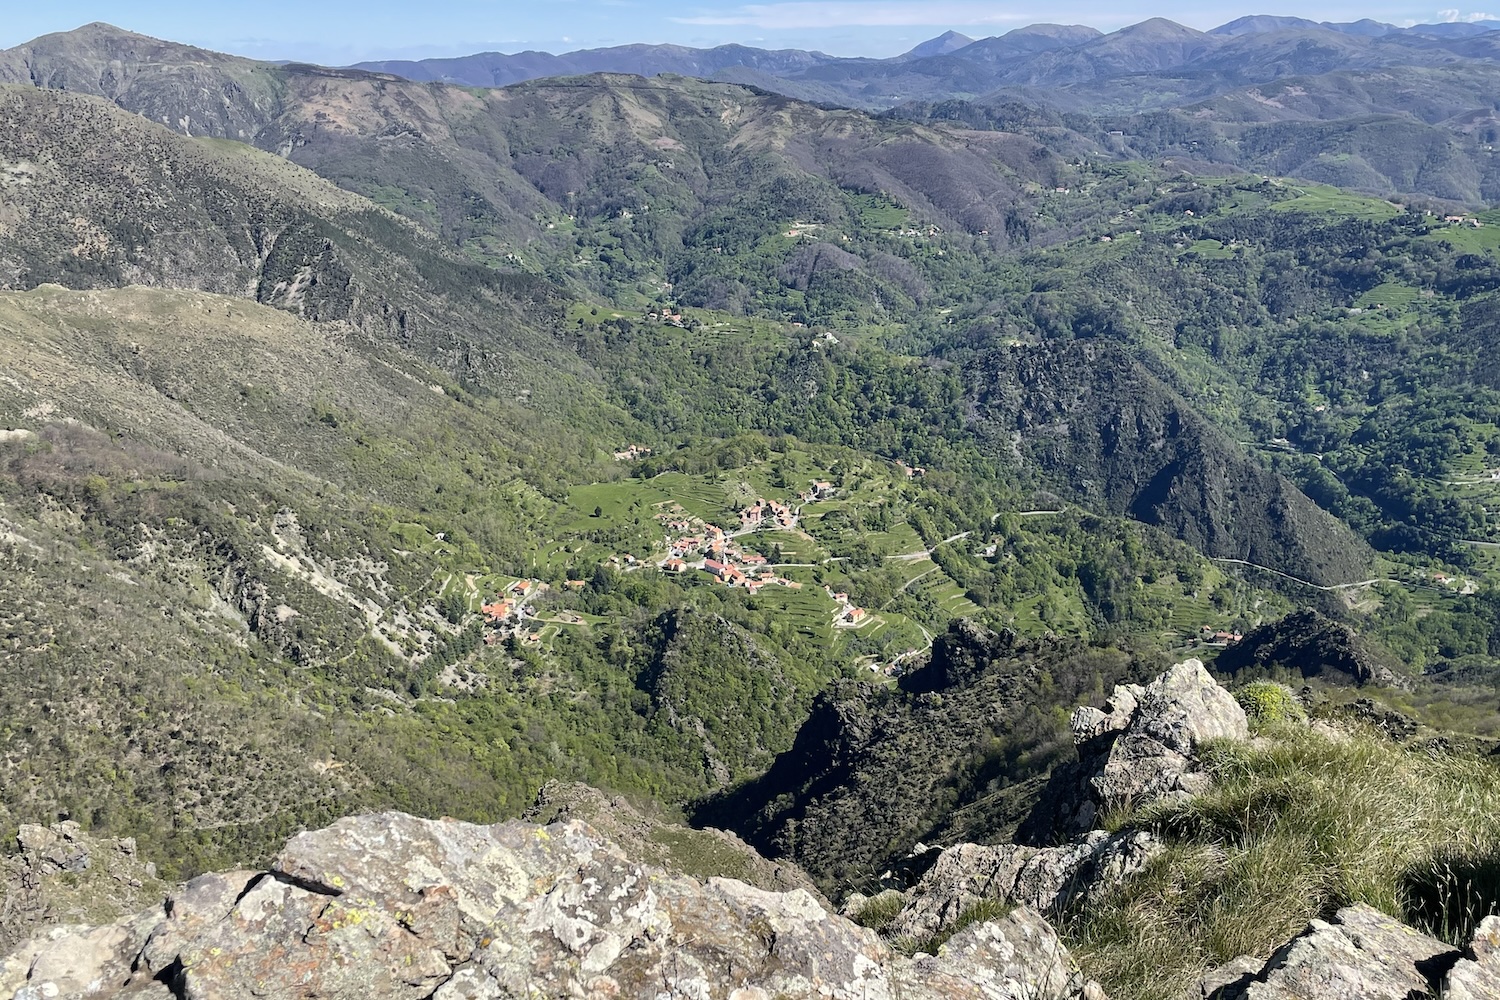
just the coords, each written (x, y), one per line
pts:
(1363, 105)
(1249, 49)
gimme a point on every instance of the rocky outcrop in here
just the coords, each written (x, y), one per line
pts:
(1477, 974)
(1044, 879)
(61, 874)
(873, 771)
(1362, 954)
(639, 830)
(1141, 748)
(390, 906)
(1315, 646)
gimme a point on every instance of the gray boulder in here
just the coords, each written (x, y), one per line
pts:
(1141, 748)
(1361, 955)
(61, 847)
(640, 831)
(1018, 955)
(1045, 879)
(390, 907)
(1477, 975)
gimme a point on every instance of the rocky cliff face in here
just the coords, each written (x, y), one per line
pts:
(873, 771)
(59, 874)
(1314, 645)
(390, 906)
(1144, 748)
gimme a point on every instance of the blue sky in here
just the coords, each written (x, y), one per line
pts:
(343, 31)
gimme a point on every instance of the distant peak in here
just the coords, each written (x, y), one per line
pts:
(1048, 28)
(1159, 26)
(948, 41)
(104, 28)
(1253, 24)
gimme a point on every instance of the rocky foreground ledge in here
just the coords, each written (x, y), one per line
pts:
(390, 906)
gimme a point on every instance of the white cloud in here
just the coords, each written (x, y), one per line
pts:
(802, 14)
(1453, 15)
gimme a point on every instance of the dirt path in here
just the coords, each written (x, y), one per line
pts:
(1308, 583)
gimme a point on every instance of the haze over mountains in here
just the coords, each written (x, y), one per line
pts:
(1363, 105)
(1250, 48)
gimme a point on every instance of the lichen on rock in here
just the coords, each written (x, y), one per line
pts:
(391, 907)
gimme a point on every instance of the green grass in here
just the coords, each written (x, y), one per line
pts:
(1212, 249)
(1323, 199)
(808, 609)
(880, 910)
(1466, 239)
(876, 212)
(1391, 295)
(1295, 828)
(900, 632)
(946, 594)
(794, 548)
(901, 538)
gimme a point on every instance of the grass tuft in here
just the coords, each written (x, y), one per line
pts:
(1297, 826)
(880, 910)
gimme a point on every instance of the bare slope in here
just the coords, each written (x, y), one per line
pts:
(97, 197)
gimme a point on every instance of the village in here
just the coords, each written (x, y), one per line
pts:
(760, 535)
(694, 544)
(507, 615)
(691, 545)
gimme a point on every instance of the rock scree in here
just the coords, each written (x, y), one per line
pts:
(391, 906)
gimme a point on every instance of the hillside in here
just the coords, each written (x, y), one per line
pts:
(1153, 63)
(1110, 434)
(561, 177)
(360, 123)
(793, 467)
(97, 197)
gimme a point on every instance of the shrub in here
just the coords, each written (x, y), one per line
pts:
(1266, 702)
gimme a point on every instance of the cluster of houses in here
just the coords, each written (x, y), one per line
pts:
(767, 513)
(847, 614)
(665, 316)
(1210, 636)
(633, 452)
(508, 612)
(912, 471)
(695, 544)
(1462, 220)
(817, 491)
